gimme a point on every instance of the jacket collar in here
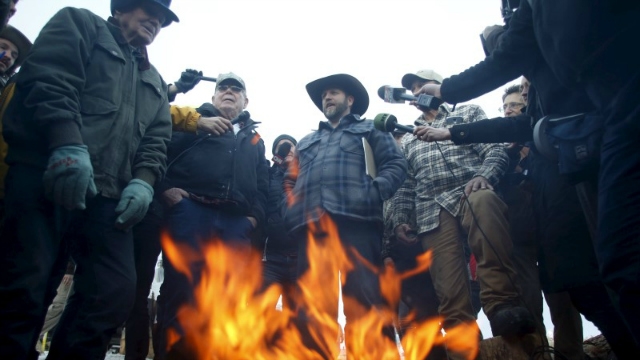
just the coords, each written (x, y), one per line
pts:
(140, 53)
(345, 120)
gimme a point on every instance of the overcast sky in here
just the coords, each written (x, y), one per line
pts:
(278, 46)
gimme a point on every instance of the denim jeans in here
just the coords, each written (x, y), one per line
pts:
(194, 224)
(281, 268)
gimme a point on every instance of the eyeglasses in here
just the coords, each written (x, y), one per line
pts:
(235, 89)
(511, 105)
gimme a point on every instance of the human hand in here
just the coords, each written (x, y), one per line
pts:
(188, 80)
(214, 125)
(430, 89)
(475, 184)
(173, 196)
(68, 179)
(430, 134)
(405, 233)
(67, 279)
(134, 203)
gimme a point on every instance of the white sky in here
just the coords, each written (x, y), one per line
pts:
(278, 46)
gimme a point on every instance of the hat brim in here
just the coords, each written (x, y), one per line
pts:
(20, 41)
(344, 82)
(408, 79)
(170, 17)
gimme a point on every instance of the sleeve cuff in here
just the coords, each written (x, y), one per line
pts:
(64, 133)
(145, 175)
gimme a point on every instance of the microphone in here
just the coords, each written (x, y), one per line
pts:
(244, 116)
(388, 123)
(208, 78)
(399, 95)
(283, 152)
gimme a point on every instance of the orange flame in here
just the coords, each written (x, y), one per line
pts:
(233, 318)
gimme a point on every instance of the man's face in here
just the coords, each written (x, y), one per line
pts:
(512, 105)
(524, 90)
(230, 98)
(10, 56)
(141, 25)
(336, 104)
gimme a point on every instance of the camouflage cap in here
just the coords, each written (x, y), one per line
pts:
(426, 74)
(230, 76)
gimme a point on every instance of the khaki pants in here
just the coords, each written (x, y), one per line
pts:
(494, 266)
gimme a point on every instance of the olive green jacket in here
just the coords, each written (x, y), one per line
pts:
(81, 83)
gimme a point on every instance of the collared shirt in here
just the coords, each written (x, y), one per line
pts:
(331, 177)
(438, 171)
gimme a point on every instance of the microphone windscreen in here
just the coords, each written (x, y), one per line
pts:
(284, 150)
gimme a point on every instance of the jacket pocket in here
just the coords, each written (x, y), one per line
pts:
(307, 152)
(103, 89)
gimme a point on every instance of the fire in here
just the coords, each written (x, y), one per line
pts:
(233, 318)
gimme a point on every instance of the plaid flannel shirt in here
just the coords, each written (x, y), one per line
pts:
(430, 184)
(331, 176)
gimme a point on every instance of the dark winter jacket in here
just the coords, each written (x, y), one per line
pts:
(230, 168)
(278, 239)
(82, 83)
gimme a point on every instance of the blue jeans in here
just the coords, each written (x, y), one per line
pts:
(280, 268)
(194, 224)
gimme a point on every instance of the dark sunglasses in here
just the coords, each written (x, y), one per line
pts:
(235, 89)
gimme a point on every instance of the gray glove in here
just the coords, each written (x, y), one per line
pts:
(68, 179)
(188, 80)
(134, 203)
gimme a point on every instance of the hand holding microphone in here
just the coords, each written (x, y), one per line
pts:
(399, 95)
(431, 134)
(281, 156)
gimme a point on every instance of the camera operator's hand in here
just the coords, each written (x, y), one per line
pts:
(475, 184)
(214, 125)
(430, 89)
(431, 134)
(405, 233)
(188, 80)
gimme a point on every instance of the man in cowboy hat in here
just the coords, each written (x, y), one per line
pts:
(332, 182)
(87, 130)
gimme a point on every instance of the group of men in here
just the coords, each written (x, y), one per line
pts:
(99, 164)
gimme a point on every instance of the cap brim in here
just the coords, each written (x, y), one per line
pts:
(344, 82)
(408, 79)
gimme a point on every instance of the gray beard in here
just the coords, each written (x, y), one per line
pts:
(335, 114)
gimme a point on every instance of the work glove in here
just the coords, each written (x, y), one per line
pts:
(134, 203)
(68, 179)
(188, 80)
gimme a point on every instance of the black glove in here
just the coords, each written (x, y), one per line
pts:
(188, 80)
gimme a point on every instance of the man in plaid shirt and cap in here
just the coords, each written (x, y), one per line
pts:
(450, 188)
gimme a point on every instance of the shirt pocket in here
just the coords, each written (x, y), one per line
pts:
(102, 93)
(307, 152)
(351, 141)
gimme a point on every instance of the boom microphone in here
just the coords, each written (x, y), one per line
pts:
(399, 95)
(388, 123)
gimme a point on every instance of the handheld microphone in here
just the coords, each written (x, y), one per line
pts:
(399, 95)
(282, 153)
(244, 116)
(388, 123)
(207, 78)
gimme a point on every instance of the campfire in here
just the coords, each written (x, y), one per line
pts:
(234, 318)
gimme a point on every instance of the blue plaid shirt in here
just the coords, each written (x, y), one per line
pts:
(330, 173)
